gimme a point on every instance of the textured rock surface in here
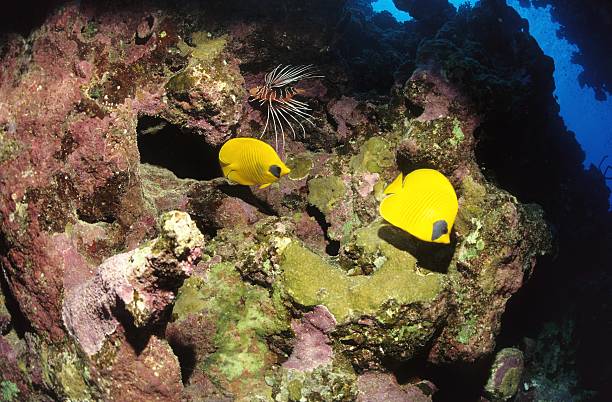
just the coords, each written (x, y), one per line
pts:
(141, 283)
(378, 387)
(112, 115)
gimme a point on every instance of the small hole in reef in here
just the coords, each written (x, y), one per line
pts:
(412, 109)
(183, 152)
(333, 246)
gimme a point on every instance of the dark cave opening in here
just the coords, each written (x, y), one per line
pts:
(456, 381)
(24, 16)
(183, 152)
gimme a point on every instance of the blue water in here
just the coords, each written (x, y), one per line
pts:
(387, 5)
(589, 118)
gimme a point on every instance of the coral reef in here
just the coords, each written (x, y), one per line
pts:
(131, 271)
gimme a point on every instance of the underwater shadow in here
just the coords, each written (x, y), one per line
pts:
(17, 320)
(333, 246)
(246, 195)
(432, 256)
(186, 355)
(137, 337)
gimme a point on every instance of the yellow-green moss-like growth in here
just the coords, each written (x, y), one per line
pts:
(8, 391)
(331, 382)
(210, 86)
(300, 166)
(325, 192)
(441, 143)
(8, 147)
(65, 372)
(310, 280)
(376, 155)
(394, 302)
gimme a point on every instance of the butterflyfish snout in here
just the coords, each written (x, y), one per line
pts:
(250, 161)
(423, 203)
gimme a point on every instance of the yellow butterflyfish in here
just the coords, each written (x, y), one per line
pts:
(423, 203)
(249, 161)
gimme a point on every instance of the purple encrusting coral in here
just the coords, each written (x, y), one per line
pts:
(312, 345)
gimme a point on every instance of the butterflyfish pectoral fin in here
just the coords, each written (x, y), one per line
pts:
(396, 185)
(234, 177)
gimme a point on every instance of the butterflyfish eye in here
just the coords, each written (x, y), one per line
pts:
(439, 228)
(276, 171)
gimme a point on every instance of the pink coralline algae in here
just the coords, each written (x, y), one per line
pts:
(312, 345)
(142, 281)
(436, 103)
(152, 374)
(367, 183)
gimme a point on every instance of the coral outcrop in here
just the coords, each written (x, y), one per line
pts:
(141, 283)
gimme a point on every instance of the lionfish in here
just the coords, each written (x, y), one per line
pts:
(277, 95)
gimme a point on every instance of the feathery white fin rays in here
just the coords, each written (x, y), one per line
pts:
(277, 96)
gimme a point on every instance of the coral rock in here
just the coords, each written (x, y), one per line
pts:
(142, 281)
(505, 375)
(383, 387)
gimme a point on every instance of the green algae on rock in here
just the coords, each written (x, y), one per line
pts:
(244, 315)
(325, 192)
(310, 280)
(208, 93)
(393, 312)
(335, 382)
(375, 156)
(300, 166)
(65, 372)
(8, 147)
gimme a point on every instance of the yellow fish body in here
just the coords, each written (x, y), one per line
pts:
(423, 204)
(249, 161)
